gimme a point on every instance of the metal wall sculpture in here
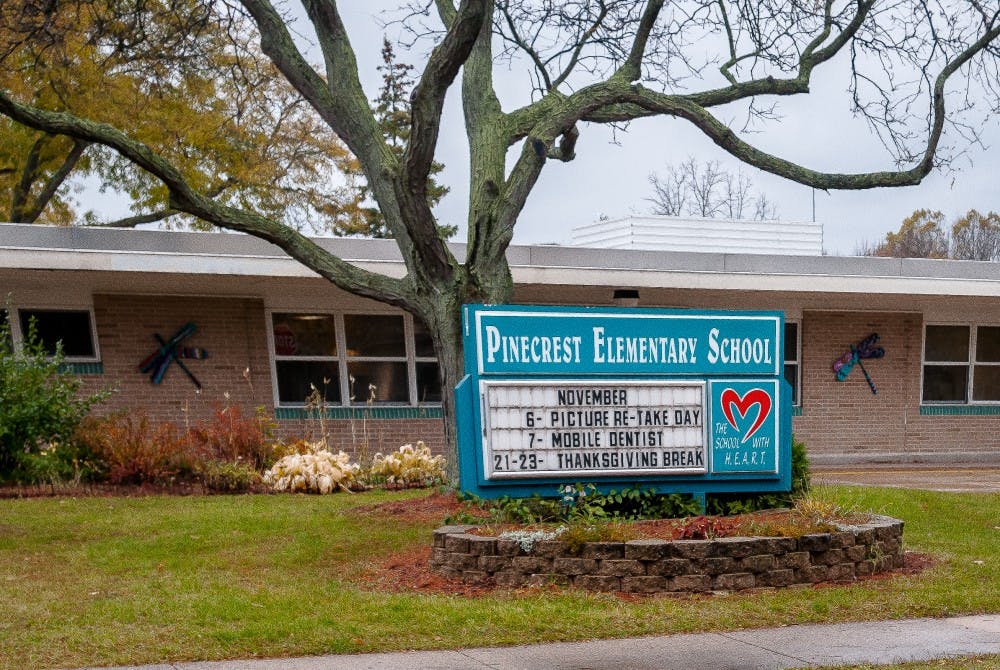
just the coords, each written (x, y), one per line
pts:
(862, 350)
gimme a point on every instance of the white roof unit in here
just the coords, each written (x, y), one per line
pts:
(724, 236)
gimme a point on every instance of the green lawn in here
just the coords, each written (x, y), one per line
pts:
(104, 581)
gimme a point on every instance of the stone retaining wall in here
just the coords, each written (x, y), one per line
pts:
(652, 566)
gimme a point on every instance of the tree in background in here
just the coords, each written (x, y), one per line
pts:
(192, 88)
(587, 63)
(709, 191)
(392, 112)
(924, 234)
(921, 235)
(976, 237)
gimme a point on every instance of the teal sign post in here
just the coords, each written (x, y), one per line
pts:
(681, 401)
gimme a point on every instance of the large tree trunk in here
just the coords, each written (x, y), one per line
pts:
(441, 312)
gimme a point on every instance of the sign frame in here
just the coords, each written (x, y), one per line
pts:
(746, 433)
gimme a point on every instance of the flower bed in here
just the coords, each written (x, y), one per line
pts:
(657, 565)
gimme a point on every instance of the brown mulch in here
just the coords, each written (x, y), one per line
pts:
(433, 508)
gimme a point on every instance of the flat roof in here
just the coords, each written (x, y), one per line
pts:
(82, 249)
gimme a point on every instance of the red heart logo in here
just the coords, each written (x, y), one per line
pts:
(758, 397)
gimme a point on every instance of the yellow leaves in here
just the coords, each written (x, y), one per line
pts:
(409, 465)
(190, 83)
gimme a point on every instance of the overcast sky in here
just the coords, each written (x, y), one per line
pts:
(610, 174)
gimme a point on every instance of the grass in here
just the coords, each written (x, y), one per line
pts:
(114, 581)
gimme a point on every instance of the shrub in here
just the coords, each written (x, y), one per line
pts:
(57, 463)
(228, 476)
(316, 471)
(232, 436)
(408, 466)
(134, 451)
(39, 405)
(742, 503)
(588, 506)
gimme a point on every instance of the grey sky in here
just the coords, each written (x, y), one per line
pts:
(610, 173)
(611, 179)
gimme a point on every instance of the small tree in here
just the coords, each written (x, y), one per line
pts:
(921, 235)
(976, 237)
(40, 405)
(392, 112)
(707, 190)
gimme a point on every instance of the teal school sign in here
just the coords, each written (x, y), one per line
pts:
(681, 401)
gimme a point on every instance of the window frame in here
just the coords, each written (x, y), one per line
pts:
(969, 364)
(14, 320)
(406, 359)
(409, 359)
(797, 361)
(274, 357)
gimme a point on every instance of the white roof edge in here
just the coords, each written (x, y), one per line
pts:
(32, 246)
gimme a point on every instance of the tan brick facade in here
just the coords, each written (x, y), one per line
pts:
(845, 418)
(230, 329)
(236, 373)
(839, 421)
(845, 421)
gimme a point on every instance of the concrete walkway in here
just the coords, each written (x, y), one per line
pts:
(880, 642)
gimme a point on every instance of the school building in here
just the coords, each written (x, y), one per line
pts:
(258, 328)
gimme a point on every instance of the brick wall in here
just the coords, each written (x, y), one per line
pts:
(839, 419)
(368, 436)
(845, 421)
(233, 331)
(845, 417)
(230, 329)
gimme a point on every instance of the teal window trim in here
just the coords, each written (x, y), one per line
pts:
(960, 410)
(82, 368)
(357, 413)
(797, 410)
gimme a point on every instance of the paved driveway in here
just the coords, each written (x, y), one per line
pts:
(984, 479)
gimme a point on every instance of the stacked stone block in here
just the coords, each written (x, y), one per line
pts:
(654, 566)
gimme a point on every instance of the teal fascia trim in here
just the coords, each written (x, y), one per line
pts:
(82, 368)
(292, 413)
(796, 411)
(960, 410)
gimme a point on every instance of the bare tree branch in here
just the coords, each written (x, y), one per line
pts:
(55, 181)
(426, 105)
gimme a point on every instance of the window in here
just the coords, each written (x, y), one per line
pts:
(305, 356)
(355, 358)
(376, 358)
(961, 364)
(73, 329)
(428, 380)
(792, 360)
